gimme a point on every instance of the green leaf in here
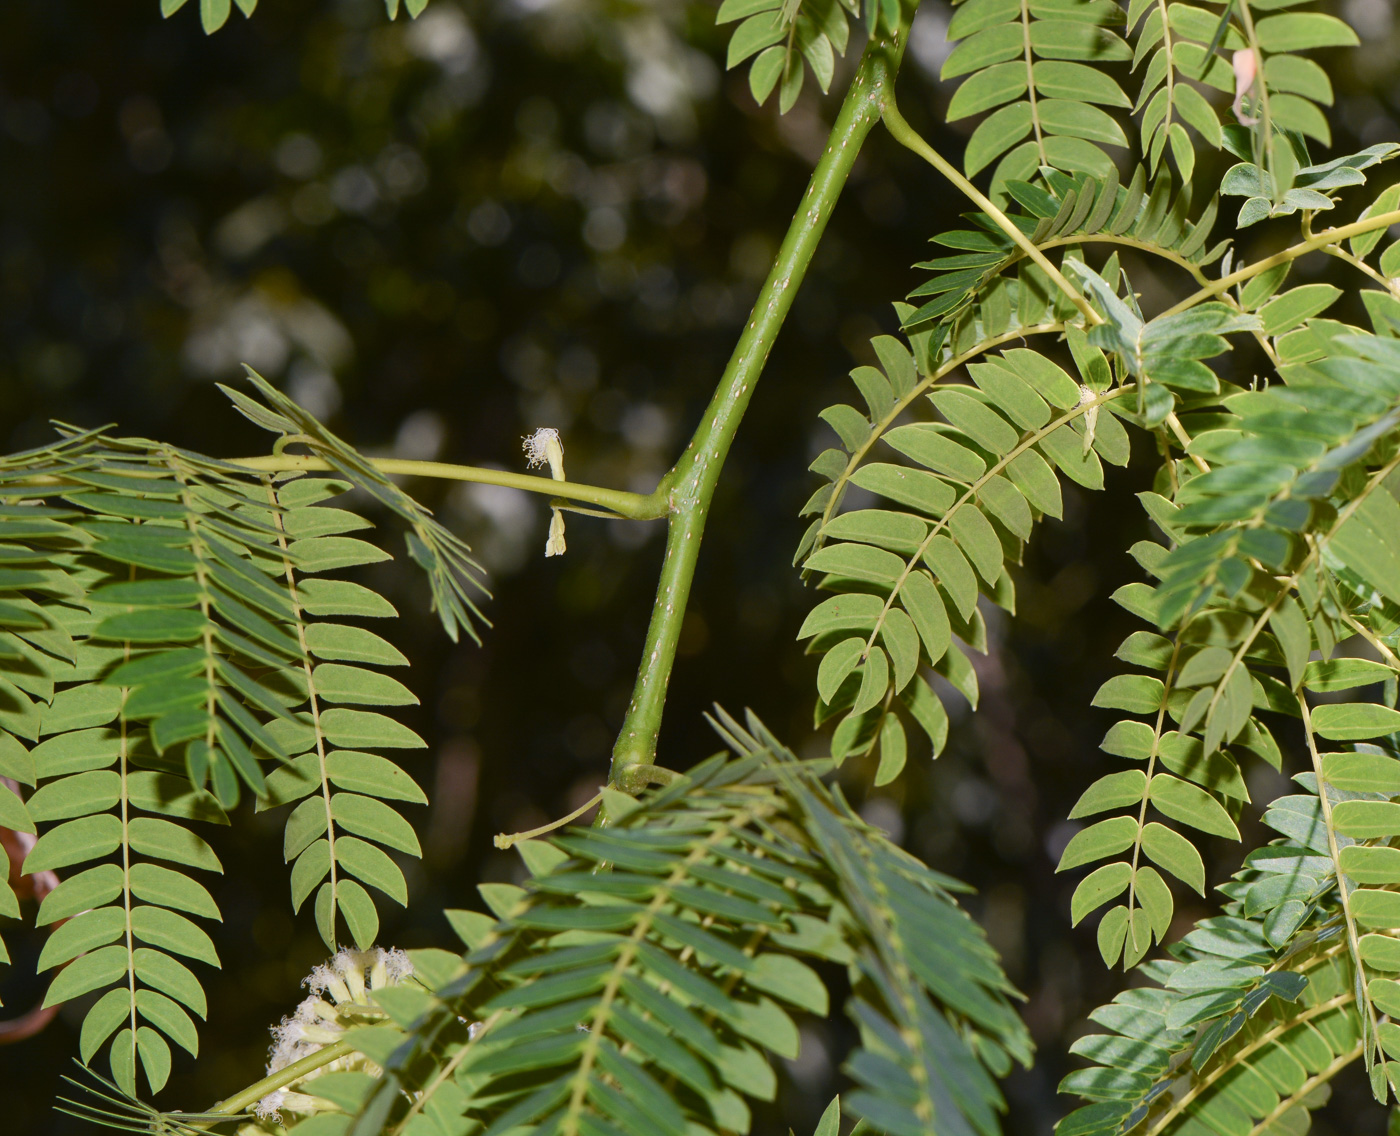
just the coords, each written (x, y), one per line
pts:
(791, 980)
(1075, 81)
(1191, 805)
(900, 532)
(1367, 820)
(88, 889)
(1097, 888)
(914, 488)
(857, 561)
(360, 916)
(732, 10)
(1354, 721)
(341, 643)
(921, 599)
(74, 842)
(1156, 899)
(952, 570)
(977, 420)
(1386, 202)
(995, 135)
(1106, 838)
(169, 1018)
(1138, 694)
(83, 933)
(854, 612)
(937, 451)
(1287, 311)
(372, 774)
(1344, 674)
(311, 867)
(79, 795)
(212, 14)
(893, 750)
(1303, 31)
(14, 815)
(306, 822)
(106, 1014)
(1290, 627)
(165, 929)
(1172, 851)
(154, 1053)
(158, 885)
(982, 49)
(363, 728)
(92, 971)
(928, 711)
(328, 553)
(875, 678)
(754, 34)
(158, 970)
(167, 841)
(324, 598)
(153, 625)
(368, 817)
(171, 796)
(901, 640)
(372, 866)
(766, 70)
(1115, 791)
(989, 88)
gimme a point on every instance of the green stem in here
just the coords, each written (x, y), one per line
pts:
(634, 506)
(1302, 248)
(690, 485)
(255, 1092)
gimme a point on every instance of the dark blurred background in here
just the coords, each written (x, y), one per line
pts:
(440, 235)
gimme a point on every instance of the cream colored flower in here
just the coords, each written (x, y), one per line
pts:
(541, 448)
(340, 989)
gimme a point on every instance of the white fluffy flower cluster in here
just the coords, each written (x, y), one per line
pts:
(337, 988)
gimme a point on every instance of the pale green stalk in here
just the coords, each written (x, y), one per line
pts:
(689, 486)
(634, 506)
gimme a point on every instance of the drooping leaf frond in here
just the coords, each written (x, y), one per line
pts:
(908, 578)
(171, 626)
(646, 974)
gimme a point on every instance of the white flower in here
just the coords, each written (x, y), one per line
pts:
(337, 987)
(541, 448)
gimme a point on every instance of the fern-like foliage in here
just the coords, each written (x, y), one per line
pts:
(646, 974)
(1283, 535)
(1226, 1043)
(975, 480)
(1039, 63)
(975, 298)
(1260, 1007)
(172, 624)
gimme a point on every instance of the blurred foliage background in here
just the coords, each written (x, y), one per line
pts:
(440, 235)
